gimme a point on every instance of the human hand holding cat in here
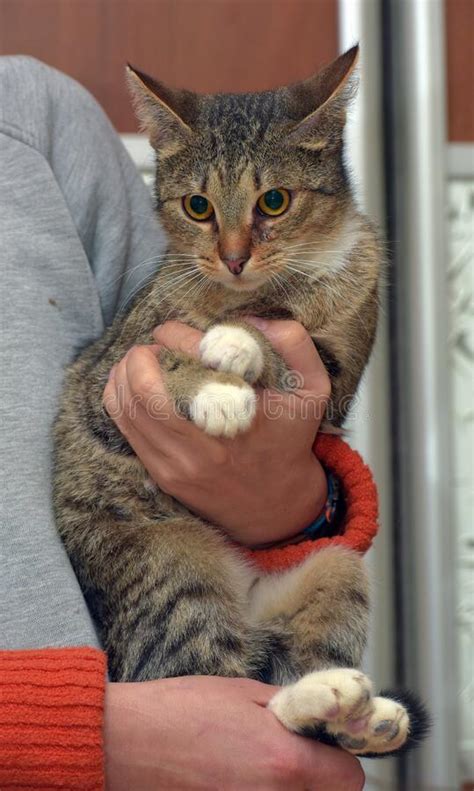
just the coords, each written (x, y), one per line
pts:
(265, 484)
(185, 734)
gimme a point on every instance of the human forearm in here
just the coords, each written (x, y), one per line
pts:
(186, 734)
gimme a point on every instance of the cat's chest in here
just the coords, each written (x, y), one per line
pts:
(202, 316)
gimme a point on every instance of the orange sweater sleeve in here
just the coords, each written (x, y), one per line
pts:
(51, 719)
(361, 518)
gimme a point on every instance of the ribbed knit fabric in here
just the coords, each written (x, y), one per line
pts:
(51, 716)
(361, 518)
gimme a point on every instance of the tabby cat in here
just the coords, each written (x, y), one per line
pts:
(254, 195)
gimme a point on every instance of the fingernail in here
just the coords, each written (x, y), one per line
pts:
(259, 323)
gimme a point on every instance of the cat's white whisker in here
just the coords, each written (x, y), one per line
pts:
(311, 264)
(283, 286)
(192, 292)
(148, 262)
(177, 282)
(128, 272)
(314, 247)
(305, 273)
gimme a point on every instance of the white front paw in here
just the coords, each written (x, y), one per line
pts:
(234, 350)
(223, 410)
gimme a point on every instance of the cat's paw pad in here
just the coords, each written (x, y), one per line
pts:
(223, 410)
(384, 730)
(234, 350)
(341, 702)
(328, 696)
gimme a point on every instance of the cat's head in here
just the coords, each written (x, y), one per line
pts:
(251, 184)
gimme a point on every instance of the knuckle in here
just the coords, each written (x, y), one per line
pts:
(324, 383)
(168, 481)
(219, 455)
(349, 774)
(163, 331)
(356, 781)
(176, 333)
(296, 333)
(191, 470)
(284, 766)
(176, 336)
(141, 381)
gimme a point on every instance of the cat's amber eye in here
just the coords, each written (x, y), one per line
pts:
(198, 207)
(274, 202)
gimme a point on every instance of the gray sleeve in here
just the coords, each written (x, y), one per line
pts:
(77, 234)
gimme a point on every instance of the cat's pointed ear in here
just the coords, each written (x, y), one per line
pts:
(322, 100)
(165, 114)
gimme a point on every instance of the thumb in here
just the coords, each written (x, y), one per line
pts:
(178, 337)
(296, 346)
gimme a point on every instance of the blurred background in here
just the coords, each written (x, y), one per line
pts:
(411, 145)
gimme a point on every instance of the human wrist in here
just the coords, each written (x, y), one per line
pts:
(288, 517)
(121, 710)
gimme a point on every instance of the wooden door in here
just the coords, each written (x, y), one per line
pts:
(205, 45)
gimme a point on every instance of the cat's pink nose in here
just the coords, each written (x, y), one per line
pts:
(235, 265)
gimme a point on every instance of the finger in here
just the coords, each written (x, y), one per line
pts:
(263, 693)
(132, 411)
(154, 409)
(339, 768)
(125, 392)
(109, 396)
(143, 371)
(155, 457)
(295, 345)
(116, 397)
(179, 337)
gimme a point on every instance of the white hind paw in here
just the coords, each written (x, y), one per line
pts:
(341, 702)
(384, 730)
(234, 350)
(321, 697)
(223, 410)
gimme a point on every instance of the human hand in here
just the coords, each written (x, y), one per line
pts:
(204, 733)
(265, 485)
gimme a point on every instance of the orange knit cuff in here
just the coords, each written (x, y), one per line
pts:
(51, 719)
(361, 518)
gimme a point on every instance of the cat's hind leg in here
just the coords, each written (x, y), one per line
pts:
(169, 596)
(321, 609)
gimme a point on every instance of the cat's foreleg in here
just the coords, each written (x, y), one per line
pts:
(219, 402)
(239, 348)
(322, 606)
